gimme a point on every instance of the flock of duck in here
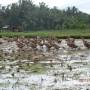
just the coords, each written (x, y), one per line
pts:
(37, 46)
(45, 43)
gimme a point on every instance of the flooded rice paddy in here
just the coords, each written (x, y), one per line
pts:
(62, 69)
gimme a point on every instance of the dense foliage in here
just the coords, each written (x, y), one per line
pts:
(25, 15)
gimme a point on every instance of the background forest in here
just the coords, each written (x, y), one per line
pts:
(26, 16)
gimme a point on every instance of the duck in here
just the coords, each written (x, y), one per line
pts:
(86, 43)
(71, 43)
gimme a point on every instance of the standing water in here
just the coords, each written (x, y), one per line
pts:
(62, 69)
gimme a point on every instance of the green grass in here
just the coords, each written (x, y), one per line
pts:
(56, 33)
(35, 68)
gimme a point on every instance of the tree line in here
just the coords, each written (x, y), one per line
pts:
(26, 16)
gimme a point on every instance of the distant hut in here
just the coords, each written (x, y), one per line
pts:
(5, 28)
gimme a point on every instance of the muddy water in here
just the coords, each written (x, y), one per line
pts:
(66, 69)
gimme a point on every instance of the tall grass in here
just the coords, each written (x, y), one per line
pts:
(56, 33)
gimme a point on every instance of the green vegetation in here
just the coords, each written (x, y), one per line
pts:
(35, 68)
(57, 33)
(26, 16)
